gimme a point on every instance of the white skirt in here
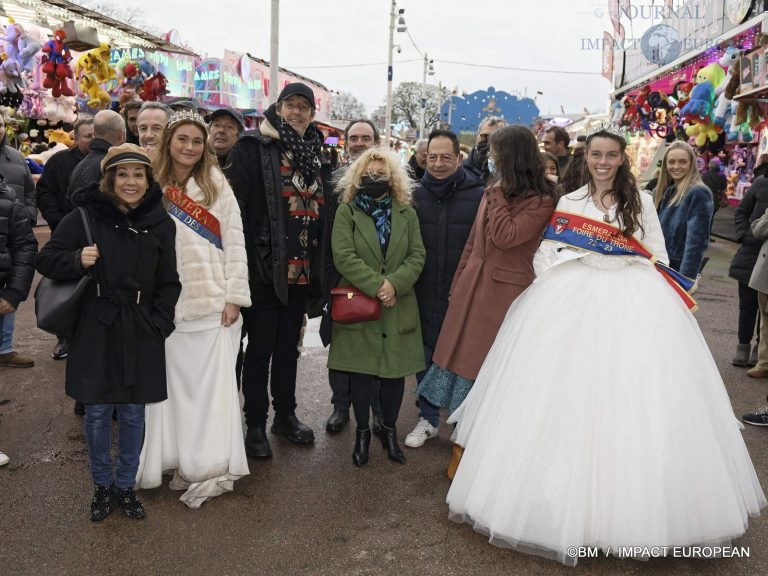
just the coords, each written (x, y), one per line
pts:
(599, 418)
(197, 432)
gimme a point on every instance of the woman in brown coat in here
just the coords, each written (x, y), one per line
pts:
(496, 266)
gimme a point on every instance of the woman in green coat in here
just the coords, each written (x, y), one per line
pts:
(377, 248)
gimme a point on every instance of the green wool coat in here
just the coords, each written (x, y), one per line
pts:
(390, 347)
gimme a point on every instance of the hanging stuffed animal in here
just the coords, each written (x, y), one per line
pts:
(28, 47)
(95, 63)
(97, 96)
(55, 61)
(725, 105)
(699, 110)
(731, 61)
(154, 87)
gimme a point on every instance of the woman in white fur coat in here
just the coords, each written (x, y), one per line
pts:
(197, 434)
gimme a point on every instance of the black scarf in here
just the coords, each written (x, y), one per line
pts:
(442, 188)
(304, 152)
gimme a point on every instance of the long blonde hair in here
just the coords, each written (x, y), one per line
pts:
(203, 171)
(665, 180)
(400, 185)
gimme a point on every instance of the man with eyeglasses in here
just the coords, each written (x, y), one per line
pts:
(446, 201)
(477, 160)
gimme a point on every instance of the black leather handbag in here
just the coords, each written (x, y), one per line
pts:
(57, 302)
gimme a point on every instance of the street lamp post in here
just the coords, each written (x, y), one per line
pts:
(393, 15)
(428, 69)
(274, 48)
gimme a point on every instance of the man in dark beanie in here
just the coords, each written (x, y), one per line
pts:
(278, 175)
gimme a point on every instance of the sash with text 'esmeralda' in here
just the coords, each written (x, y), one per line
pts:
(585, 233)
(196, 217)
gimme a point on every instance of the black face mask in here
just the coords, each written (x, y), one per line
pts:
(482, 148)
(374, 188)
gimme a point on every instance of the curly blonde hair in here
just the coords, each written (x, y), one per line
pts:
(400, 185)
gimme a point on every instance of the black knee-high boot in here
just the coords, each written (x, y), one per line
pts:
(389, 441)
(362, 442)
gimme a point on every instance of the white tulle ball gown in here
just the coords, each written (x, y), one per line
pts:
(599, 417)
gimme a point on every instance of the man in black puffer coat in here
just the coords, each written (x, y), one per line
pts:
(446, 201)
(18, 247)
(752, 206)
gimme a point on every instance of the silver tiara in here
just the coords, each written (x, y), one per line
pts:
(608, 127)
(186, 115)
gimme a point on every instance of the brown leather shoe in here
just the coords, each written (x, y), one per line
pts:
(757, 372)
(456, 453)
(16, 360)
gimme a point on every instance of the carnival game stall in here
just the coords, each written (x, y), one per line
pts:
(707, 95)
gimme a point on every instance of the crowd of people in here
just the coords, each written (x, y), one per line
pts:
(212, 244)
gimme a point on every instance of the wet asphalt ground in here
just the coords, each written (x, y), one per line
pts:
(308, 510)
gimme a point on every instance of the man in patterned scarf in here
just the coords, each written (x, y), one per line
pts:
(279, 175)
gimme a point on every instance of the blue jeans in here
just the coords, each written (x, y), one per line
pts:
(427, 410)
(6, 332)
(130, 433)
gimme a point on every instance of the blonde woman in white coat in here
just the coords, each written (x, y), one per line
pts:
(197, 432)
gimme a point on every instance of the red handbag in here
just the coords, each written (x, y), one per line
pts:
(349, 305)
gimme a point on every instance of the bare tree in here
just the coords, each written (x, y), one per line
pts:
(345, 106)
(127, 14)
(406, 104)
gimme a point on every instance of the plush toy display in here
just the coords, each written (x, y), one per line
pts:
(55, 65)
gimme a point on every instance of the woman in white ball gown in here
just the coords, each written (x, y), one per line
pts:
(599, 417)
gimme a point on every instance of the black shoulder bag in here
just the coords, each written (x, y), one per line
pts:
(57, 302)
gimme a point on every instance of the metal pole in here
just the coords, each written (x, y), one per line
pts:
(388, 113)
(274, 88)
(423, 96)
(439, 104)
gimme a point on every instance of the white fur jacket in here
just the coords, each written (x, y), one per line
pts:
(211, 278)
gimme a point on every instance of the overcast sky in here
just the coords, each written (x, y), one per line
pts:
(542, 35)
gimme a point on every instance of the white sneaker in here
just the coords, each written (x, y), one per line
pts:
(3, 459)
(420, 434)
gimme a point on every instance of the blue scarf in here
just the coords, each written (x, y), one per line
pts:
(381, 212)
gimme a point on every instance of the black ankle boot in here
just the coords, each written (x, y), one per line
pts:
(389, 441)
(101, 505)
(131, 505)
(362, 442)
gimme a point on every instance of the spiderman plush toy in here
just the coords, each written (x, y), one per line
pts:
(55, 61)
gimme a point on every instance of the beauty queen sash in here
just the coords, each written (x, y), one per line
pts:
(585, 233)
(193, 215)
